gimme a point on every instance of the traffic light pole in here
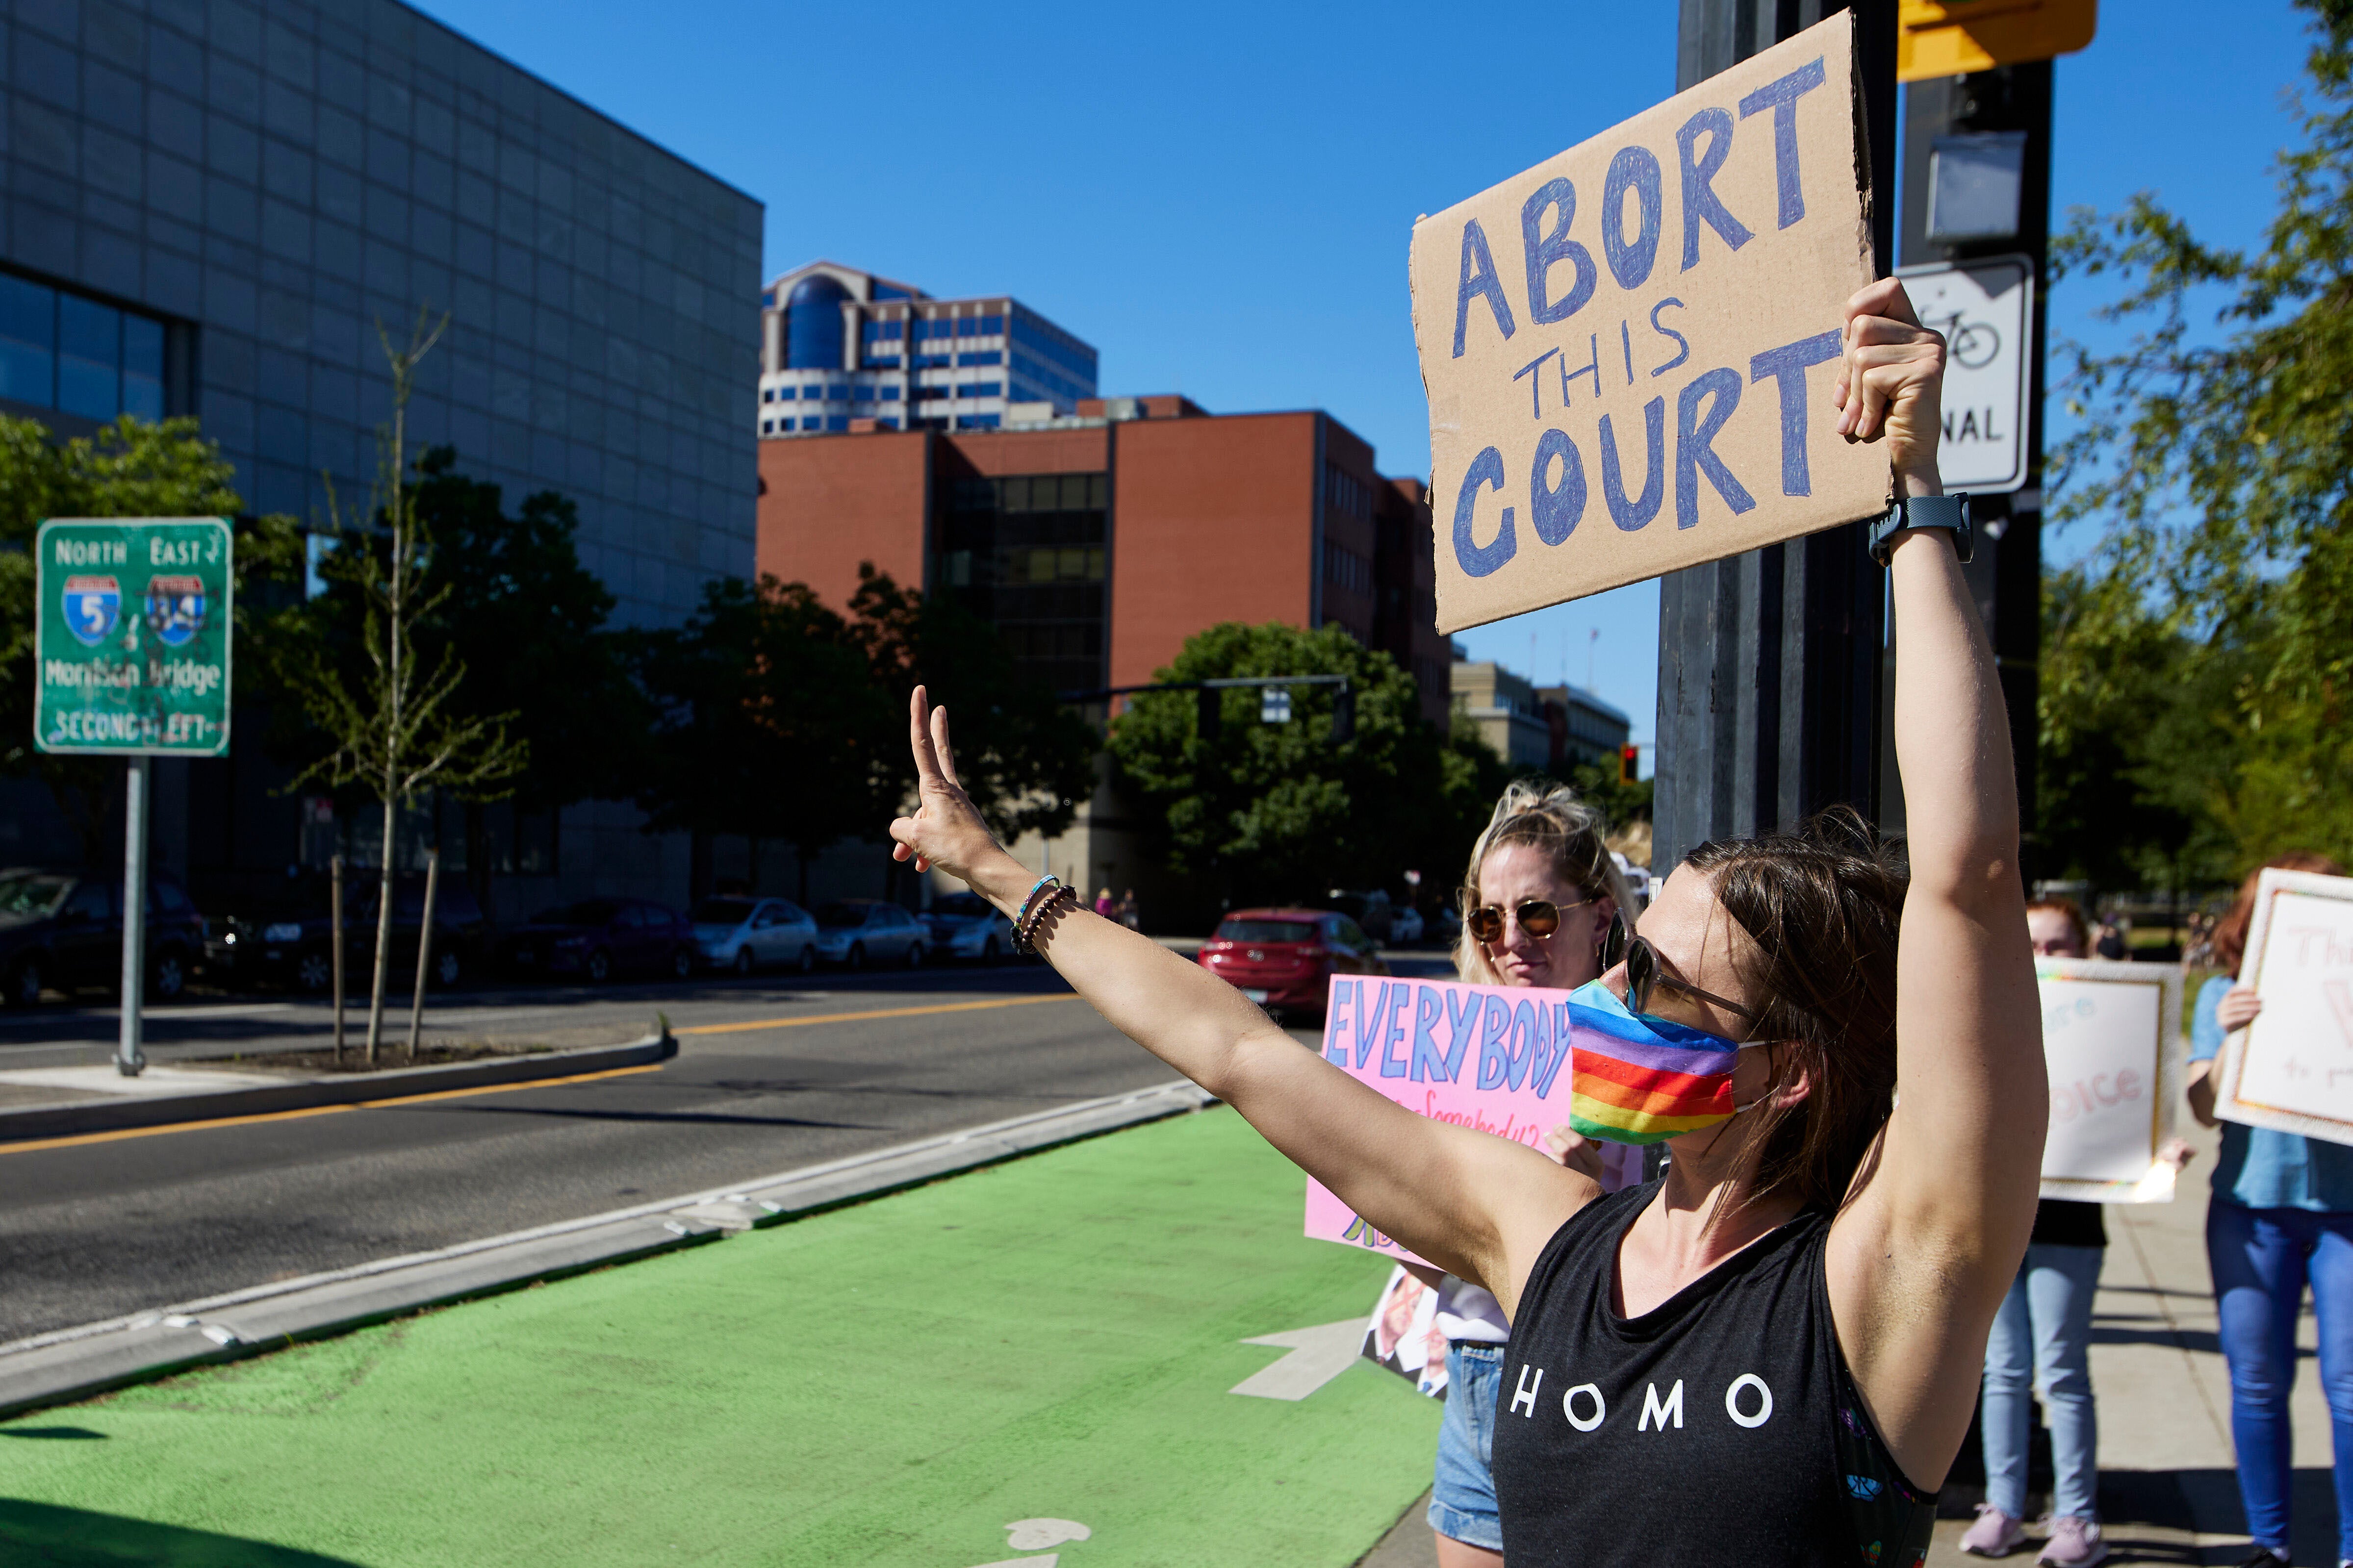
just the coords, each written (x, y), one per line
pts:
(1769, 662)
(2007, 574)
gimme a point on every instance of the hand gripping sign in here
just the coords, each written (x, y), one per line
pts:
(2292, 1068)
(2112, 1044)
(1629, 349)
(1494, 1057)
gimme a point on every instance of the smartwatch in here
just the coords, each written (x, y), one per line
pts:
(1923, 511)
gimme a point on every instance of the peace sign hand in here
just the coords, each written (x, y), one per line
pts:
(946, 830)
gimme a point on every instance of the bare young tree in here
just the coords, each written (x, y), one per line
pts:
(395, 728)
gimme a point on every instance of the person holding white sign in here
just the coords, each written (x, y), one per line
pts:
(2281, 1217)
(2045, 1326)
(1774, 1350)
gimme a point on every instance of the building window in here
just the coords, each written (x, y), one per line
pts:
(887, 394)
(881, 362)
(1030, 554)
(59, 349)
(862, 394)
(977, 422)
(812, 424)
(991, 326)
(1343, 568)
(886, 423)
(1344, 492)
(837, 422)
(837, 393)
(987, 357)
(933, 362)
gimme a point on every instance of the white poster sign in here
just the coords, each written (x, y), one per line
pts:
(2112, 1042)
(1986, 311)
(2292, 1068)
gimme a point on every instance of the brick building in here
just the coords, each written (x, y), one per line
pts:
(1098, 542)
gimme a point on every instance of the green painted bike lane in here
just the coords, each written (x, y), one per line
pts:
(888, 1385)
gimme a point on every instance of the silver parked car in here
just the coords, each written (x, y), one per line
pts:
(966, 925)
(745, 934)
(856, 933)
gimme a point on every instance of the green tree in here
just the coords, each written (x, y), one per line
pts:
(767, 723)
(1025, 757)
(128, 468)
(2218, 468)
(1284, 811)
(395, 721)
(527, 622)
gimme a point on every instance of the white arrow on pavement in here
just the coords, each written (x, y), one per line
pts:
(1317, 1356)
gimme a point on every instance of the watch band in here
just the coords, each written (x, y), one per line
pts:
(1947, 512)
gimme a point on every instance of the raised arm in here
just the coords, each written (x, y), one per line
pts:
(1923, 1254)
(1473, 1204)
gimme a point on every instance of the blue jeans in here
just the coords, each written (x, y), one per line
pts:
(2045, 1325)
(2262, 1259)
(1463, 1497)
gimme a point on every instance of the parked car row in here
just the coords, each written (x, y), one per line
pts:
(62, 931)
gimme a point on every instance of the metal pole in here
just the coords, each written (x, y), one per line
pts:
(424, 949)
(335, 934)
(130, 1061)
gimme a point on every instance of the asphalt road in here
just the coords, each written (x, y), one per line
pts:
(770, 1075)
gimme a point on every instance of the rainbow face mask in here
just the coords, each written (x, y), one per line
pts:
(1636, 1079)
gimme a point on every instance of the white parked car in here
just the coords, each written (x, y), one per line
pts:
(966, 925)
(745, 934)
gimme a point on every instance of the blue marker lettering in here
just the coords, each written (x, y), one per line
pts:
(1523, 1043)
(1637, 513)
(1781, 97)
(1560, 1049)
(1479, 279)
(1546, 251)
(1701, 204)
(1429, 1062)
(1393, 1031)
(1592, 368)
(1462, 1013)
(1557, 509)
(1787, 365)
(1666, 331)
(1477, 560)
(1494, 1028)
(1368, 1026)
(1633, 169)
(1694, 455)
(1536, 388)
(1335, 1041)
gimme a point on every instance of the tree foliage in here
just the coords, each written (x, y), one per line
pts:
(2219, 471)
(779, 718)
(1283, 811)
(128, 468)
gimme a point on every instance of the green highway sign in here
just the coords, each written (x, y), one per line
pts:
(132, 636)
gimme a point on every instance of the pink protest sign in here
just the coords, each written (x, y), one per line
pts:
(1493, 1058)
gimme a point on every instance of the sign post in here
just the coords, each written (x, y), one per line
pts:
(132, 643)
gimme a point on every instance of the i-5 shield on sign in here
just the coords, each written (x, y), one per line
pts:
(93, 608)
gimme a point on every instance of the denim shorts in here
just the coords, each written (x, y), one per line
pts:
(1463, 1497)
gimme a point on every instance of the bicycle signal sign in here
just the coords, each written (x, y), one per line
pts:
(1986, 311)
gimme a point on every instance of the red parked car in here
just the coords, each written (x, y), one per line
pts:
(1284, 959)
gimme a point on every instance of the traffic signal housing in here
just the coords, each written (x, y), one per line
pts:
(1630, 763)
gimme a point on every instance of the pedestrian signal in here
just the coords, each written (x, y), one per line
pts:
(1208, 714)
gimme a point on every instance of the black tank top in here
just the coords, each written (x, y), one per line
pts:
(1721, 1427)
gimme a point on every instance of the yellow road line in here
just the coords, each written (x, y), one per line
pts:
(873, 1013)
(116, 1136)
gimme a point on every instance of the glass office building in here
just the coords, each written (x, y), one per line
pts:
(843, 350)
(211, 205)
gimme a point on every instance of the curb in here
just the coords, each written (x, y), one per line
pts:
(305, 1094)
(75, 1363)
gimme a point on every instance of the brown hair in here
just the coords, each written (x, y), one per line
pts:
(2230, 937)
(1820, 907)
(1550, 818)
(2072, 913)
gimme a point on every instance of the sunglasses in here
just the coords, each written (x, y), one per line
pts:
(1645, 974)
(1537, 917)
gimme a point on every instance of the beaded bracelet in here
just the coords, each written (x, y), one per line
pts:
(1033, 915)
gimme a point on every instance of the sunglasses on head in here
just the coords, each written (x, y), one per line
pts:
(1645, 974)
(1537, 917)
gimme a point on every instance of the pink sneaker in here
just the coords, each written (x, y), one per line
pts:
(1994, 1534)
(2074, 1544)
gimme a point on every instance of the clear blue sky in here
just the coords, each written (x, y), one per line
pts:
(1218, 197)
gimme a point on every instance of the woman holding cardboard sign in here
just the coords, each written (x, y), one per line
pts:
(2281, 1215)
(1774, 1350)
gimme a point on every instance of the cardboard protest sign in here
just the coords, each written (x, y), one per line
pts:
(1495, 1057)
(2112, 1041)
(1629, 350)
(2292, 1068)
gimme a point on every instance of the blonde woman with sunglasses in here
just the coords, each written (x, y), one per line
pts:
(1772, 1352)
(1537, 902)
